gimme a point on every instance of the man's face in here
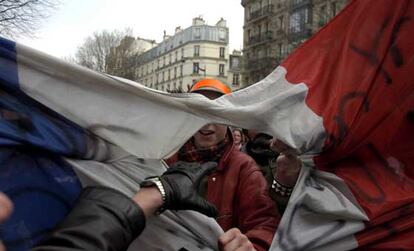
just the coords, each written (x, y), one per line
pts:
(210, 135)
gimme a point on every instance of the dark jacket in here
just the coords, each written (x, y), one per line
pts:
(103, 219)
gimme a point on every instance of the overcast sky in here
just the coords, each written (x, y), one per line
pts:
(74, 20)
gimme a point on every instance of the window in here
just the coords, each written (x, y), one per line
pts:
(221, 69)
(175, 72)
(323, 16)
(197, 33)
(162, 79)
(181, 70)
(196, 50)
(169, 57)
(176, 56)
(298, 20)
(236, 78)
(182, 53)
(222, 50)
(333, 8)
(280, 49)
(222, 35)
(281, 23)
(196, 68)
(169, 74)
(235, 62)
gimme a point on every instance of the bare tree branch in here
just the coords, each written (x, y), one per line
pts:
(20, 18)
(93, 53)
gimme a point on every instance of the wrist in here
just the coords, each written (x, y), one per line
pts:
(280, 189)
(149, 199)
(157, 183)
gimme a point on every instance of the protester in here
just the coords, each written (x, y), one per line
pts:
(279, 164)
(237, 187)
(258, 147)
(105, 219)
(238, 138)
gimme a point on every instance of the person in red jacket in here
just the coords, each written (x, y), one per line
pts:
(237, 187)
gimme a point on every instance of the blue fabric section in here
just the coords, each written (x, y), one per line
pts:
(33, 140)
(8, 69)
(42, 187)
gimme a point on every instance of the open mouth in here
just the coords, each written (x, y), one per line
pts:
(206, 132)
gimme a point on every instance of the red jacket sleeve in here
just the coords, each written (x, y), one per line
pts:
(257, 212)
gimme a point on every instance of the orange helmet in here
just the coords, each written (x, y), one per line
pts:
(210, 85)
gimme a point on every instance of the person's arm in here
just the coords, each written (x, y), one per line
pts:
(285, 171)
(102, 219)
(105, 219)
(257, 213)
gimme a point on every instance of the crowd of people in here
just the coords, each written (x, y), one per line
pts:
(242, 178)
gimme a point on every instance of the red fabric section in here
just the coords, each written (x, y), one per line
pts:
(360, 74)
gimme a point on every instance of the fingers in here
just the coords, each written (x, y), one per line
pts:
(205, 207)
(278, 146)
(6, 207)
(234, 240)
(288, 169)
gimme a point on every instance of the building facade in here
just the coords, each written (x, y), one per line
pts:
(234, 72)
(175, 64)
(274, 28)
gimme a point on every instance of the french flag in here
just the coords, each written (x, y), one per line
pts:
(344, 100)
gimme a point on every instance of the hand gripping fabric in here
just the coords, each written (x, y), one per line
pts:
(181, 182)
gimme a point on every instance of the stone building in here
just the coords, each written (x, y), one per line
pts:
(234, 72)
(182, 59)
(274, 28)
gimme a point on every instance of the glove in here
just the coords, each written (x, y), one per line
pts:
(181, 182)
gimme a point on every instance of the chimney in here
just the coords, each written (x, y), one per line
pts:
(177, 29)
(165, 37)
(198, 21)
(221, 23)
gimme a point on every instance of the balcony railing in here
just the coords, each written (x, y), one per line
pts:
(300, 3)
(303, 33)
(264, 11)
(260, 63)
(280, 33)
(263, 37)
